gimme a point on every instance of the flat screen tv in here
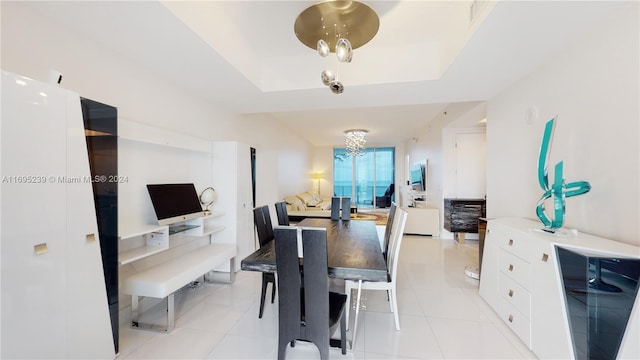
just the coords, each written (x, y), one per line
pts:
(174, 203)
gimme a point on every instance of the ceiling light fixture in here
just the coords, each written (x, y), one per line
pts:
(355, 141)
(339, 27)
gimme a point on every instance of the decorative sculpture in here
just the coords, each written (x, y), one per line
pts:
(559, 190)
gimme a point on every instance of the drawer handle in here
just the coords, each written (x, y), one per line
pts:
(488, 231)
(510, 242)
(510, 267)
(510, 292)
(40, 249)
(510, 318)
(545, 257)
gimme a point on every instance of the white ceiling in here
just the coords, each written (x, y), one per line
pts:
(427, 57)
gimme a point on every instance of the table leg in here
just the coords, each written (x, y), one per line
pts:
(355, 321)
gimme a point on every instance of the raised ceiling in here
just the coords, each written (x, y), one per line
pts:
(428, 56)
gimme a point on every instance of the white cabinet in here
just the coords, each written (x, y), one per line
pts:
(548, 303)
(521, 281)
(422, 221)
(232, 181)
(54, 302)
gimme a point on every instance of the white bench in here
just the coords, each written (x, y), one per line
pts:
(165, 279)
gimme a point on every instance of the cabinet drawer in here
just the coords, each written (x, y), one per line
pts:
(516, 268)
(515, 294)
(516, 244)
(518, 323)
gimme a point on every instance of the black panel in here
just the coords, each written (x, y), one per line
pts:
(101, 128)
(253, 175)
(599, 293)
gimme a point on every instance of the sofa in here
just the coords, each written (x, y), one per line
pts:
(307, 204)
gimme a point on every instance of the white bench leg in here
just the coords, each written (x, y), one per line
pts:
(135, 323)
(134, 311)
(232, 272)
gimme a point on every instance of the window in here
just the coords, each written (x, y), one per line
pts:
(365, 178)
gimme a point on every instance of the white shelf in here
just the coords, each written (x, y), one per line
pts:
(212, 229)
(139, 253)
(156, 239)
(141, 230)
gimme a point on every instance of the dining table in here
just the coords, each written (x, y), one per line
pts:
(353, 253)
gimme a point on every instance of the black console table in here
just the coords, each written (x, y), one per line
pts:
(461, 216)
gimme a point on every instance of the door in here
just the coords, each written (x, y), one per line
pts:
(470, 165)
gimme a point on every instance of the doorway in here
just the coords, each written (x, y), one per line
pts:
(470, 165)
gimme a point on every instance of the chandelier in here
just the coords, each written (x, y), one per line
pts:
(339, 27)
(355, 141)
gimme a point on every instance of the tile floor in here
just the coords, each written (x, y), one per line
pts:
(441, 317)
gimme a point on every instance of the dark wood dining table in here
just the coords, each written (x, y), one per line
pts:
(353, 251)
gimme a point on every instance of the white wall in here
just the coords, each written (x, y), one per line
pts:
(282, 158)
(592, 85)
(33, 44)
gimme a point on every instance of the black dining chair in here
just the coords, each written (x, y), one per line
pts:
(307, 310)
(281, 212)
(262, 221)
(388, 229)
(335, 208)
(340, 203)
(346, 208)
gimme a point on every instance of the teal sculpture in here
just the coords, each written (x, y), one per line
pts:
(559, 190)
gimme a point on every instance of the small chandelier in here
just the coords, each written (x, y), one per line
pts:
(336, 26)
(355, 141)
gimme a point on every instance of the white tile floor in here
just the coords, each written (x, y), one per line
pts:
(441, 317)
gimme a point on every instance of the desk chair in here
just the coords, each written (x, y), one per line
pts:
(389, 286)
(281, 212)
(262, 221)
(307, 310)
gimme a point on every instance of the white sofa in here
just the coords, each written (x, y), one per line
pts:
(307, 204)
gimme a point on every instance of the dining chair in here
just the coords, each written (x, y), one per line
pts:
(387, 230)
(346, 208)
(262, 221)
(281, 212)
(307, 310)
(335, 208)
(389, 286)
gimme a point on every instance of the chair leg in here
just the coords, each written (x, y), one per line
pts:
(282, 349)
(347, 290)
(273, 292)
(343, 334)
(323, 347)
(389, 300)
(264, 293)
(394, 302)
